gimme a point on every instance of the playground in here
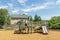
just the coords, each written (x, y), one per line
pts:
(9, 35)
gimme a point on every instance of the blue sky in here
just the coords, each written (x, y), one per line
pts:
(44, 8)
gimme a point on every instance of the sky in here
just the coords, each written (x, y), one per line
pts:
(43, 8)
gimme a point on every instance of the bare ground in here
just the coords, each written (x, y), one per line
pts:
(8, 35)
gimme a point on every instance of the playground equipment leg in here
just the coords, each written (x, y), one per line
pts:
(29, 30)
(25, 30)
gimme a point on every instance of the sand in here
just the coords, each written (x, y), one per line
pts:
(8, 35)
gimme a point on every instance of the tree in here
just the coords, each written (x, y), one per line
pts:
(37, 18)
(30, 18)
(8, 20)
(54, 22)
(4, 16)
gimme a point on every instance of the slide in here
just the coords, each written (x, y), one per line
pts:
(45, 30)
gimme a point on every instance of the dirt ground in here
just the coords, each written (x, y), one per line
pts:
(8, 35)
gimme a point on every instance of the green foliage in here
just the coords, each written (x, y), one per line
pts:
(37, 18)
(54, 22)
(23, 14)
(3, 13)
(8, 20)
(30, 18)
(4, 19)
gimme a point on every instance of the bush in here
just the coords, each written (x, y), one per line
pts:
(54, 22)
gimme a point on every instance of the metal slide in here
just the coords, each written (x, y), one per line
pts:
(45, 30)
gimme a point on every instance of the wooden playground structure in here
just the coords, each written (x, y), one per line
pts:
(28, 28)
